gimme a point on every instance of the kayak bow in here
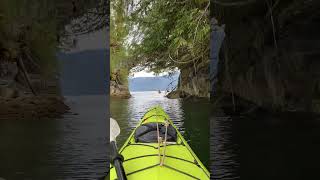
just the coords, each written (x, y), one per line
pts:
(156, 150)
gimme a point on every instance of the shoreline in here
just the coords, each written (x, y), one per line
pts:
(32, 107)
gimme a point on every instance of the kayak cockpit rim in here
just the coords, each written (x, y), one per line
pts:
(148, 145)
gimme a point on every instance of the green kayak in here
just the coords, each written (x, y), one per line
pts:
(156, 150)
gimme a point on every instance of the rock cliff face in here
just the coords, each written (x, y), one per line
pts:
(192, 84)
(13, 83)
(271, 54)
(119, 91)
(17, 101)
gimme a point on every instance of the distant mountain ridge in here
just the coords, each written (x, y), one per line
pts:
(85, 72)
(153, 83)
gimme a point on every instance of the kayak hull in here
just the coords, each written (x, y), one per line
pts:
(173, 160)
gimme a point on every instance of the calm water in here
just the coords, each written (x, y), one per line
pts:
(191, 118)
(273, 146)
(73, 147)
(280, 146)
(224, 146)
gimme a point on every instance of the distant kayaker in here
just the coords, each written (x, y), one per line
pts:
(216, 39)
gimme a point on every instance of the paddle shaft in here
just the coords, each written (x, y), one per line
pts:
(117, 162)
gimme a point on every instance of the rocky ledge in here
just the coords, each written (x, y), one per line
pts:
(119, 91)
(185, 96)
(32, 107)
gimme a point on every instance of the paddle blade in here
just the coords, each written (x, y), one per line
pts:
(114, 130)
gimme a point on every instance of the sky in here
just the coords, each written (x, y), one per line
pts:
(146, 73)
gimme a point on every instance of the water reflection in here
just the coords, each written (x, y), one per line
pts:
(73, 147)
(273, 145)
(224, 147)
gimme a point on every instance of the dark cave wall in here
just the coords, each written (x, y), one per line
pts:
(271, 58)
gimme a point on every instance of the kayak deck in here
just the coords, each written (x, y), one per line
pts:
(143, 160)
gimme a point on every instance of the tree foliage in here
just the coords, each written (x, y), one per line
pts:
(169, 33)
(118, 34)
(159, 35)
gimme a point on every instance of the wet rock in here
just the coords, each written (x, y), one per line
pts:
(119, 91)
(177, 94)
(32, 107)
(8, 92)
(277, 64)
(192, 84)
